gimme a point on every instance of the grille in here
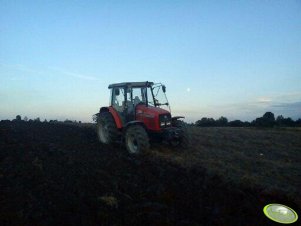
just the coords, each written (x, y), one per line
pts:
(165, 120)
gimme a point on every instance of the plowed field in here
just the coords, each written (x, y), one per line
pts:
(59, 174)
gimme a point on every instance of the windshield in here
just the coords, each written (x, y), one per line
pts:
(157, 98)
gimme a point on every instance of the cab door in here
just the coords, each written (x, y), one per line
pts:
(119, 103)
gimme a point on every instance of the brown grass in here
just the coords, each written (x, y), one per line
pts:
(269, 159)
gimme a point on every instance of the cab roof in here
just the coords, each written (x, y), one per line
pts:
(131, 84)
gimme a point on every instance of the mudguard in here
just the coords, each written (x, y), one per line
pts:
(114, 113)
(176, 118)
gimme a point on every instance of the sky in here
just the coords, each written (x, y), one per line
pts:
(236, 59)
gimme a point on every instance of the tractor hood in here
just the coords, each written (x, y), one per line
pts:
(150, 111)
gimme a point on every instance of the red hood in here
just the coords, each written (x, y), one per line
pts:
(151, 110)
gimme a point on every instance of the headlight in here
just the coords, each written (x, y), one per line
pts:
(164, 120)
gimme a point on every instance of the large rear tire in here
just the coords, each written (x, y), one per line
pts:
(106, 128)
(136, 139)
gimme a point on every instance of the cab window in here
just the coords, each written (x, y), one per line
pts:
(118, 99)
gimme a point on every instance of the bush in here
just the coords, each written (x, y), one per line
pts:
(281, 121)
(236, 123)
(267, 120)
(222, 121)
(204, 122)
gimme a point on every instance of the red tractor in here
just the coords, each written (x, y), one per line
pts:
(136, 114)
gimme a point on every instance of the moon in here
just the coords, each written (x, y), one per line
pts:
(188, 90)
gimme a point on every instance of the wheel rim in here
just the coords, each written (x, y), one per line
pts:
(103, 133)
(132, 144)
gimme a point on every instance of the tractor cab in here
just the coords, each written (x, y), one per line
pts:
(139, 101)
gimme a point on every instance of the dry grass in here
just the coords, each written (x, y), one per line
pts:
(269, 159)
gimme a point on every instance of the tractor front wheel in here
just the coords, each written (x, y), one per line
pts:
(136, 139)
(184, 141)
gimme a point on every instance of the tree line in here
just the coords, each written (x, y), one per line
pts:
(267, 120)
(26, 119)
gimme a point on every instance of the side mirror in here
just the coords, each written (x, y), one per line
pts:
(117, 92)
(164, 88)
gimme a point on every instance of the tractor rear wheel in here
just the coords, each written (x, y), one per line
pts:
(136, 139)
(184, 141)
(106, 128)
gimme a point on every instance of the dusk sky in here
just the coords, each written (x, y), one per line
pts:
(237, 59)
